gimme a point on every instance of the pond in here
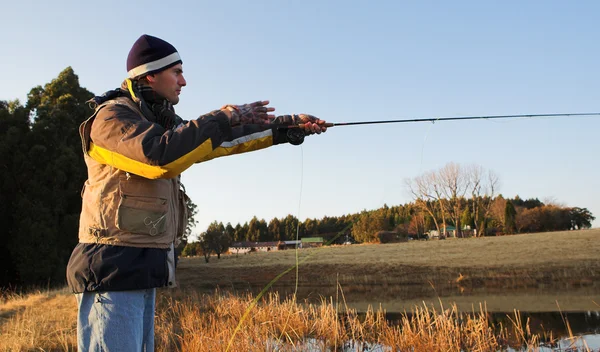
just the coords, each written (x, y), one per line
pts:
(565, 320)
(560, 331)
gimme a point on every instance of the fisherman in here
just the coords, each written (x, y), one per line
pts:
(134, 208)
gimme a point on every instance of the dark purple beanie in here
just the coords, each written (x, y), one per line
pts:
(150, 55)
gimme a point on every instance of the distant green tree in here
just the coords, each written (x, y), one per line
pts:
(218, 239)
(527, 204)
(230, 231)
(367, 226)
(276, 230)
(244, 232)
(253, 233)
(581, 218)
(238, 235)
(510, 215)
(467, 218)
(191, 249)
(192, 211)
(311, 226)
(263, 231)
(205, 246)
(290, 225)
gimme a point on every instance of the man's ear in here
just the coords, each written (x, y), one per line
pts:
(150, 78)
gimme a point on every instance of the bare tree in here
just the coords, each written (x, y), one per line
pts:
(454, 184)
(427, 194)
(484, 185)
(442, 194)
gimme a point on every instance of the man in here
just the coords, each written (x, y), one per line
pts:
(134, 210)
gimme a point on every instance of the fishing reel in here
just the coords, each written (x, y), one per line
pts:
(295, 135)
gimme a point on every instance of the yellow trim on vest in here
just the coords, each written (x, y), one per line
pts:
(255, 144)
(170, 170)
(202, 153)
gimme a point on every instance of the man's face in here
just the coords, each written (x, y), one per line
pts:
(168, 83)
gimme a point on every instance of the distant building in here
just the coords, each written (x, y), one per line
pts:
(247, 246)
(292, 244)
(310, 242)
(449, 231)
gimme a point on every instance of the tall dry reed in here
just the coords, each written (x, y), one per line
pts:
(188, 321)
(209, 322)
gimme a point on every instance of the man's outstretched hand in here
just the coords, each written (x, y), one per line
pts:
(312, 124)
(309, 123)
(256, 113)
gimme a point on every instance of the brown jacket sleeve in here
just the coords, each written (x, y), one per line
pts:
(121, 138)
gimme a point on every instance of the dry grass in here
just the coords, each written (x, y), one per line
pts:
(42, 321)
(208, 323)
(188, 321)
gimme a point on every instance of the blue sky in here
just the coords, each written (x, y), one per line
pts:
(349, 61)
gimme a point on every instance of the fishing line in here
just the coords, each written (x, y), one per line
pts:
(295, 128)
(298, 216)
(296, 265)
(297, 238)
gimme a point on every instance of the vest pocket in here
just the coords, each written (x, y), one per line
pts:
(141, 214)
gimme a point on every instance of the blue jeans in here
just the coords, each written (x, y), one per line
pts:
(116, 321)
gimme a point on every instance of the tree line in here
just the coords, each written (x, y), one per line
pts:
(43, 172)
(496, 216)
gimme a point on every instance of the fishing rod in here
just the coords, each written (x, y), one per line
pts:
(456, 118)
(296, 132)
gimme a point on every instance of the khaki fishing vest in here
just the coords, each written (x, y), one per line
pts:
(123, 209)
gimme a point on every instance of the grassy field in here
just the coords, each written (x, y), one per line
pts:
(551, 248)
(535, 269)
(195, 317)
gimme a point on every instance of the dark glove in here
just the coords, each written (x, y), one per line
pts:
(253, 113)
(310, 123)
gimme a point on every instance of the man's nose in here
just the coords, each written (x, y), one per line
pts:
(182, 81)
